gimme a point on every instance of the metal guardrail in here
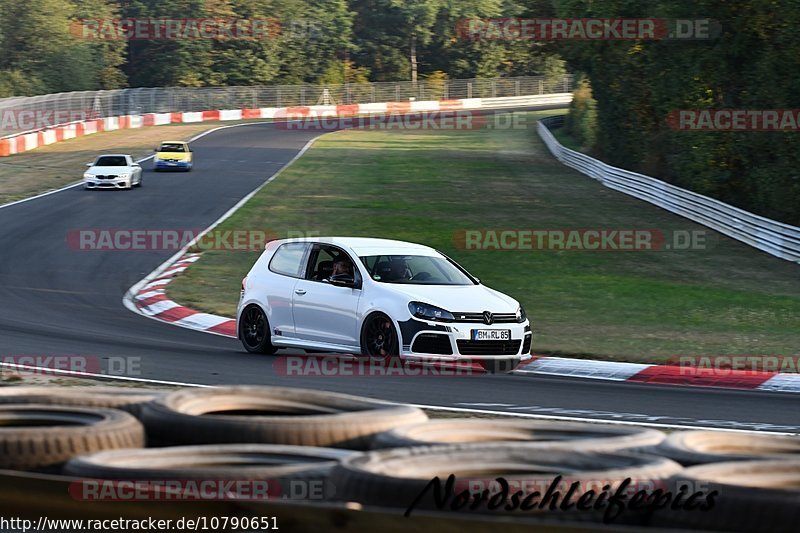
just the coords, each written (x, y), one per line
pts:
(770, 236)
(137, 101)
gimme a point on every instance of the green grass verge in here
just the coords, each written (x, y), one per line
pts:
(425, 186)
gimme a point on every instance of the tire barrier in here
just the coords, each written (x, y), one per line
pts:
(276, 444)
(272, 471)
(753, 496)
(124, 398)
(44, 436)
(272, 415)
(699, 447)
(421, 478)
(528, 433)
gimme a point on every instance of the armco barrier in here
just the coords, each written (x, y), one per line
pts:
(770, 236)
(23, 142)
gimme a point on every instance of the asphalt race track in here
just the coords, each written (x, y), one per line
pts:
(59, 301)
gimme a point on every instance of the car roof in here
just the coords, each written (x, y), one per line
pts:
(173, 142)
(113, 155)
(365, 246)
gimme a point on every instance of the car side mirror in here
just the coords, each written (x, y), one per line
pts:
(155, 150)
(89, 164)
(343, 280)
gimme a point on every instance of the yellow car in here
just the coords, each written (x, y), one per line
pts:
(173, 155)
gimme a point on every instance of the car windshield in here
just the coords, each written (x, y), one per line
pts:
(172, 147)
(415, 270)
(111, 161)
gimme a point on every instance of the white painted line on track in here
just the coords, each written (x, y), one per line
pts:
(467, 410)
(46, 371)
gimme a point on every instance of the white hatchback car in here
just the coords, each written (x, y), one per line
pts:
(113, 171)
(376, 297)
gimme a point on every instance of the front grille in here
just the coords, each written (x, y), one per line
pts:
(497, 318)
(432, 343)
(109, 177)
(526, 345)
(466, 347)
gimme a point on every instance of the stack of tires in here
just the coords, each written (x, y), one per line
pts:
(388, 456)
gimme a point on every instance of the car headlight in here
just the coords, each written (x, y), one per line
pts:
(88, 176)
(430, 312)
(124, 176)
(521, 316)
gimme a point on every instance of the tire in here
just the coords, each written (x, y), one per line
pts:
(530, 434)
(399, 477)
(255, 339)
(276, 466)
(753, 496)
(379, 337)
(124, 398)
(44, 436)
(272, 415)
(700, 447)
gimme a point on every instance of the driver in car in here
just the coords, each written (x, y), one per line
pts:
(342, 266)
(400, 270)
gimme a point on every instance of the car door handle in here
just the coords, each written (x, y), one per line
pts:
(300, 292)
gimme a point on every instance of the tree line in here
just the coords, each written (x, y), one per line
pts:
(628, 89)
(631, 89)
(43, 48)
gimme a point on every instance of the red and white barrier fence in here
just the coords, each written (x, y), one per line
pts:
(23, 142)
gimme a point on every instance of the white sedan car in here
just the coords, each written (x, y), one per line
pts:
(376, 297)
(113, 171)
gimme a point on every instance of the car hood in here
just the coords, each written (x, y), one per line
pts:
(464, 299)
(178, 156)
(108, 170)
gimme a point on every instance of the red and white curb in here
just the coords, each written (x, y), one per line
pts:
(151, 300)
(664, 374)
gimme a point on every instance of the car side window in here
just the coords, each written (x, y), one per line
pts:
(328, 261)
(288, 259)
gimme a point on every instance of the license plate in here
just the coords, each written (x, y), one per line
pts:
(491, 334)
(172, 164)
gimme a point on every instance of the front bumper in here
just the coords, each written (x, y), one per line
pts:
(118, 183)
(453, 341)
(171, 165)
